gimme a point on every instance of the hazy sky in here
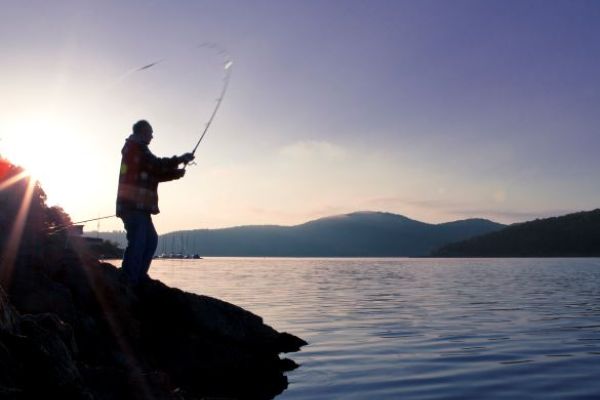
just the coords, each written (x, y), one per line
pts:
(437, 110)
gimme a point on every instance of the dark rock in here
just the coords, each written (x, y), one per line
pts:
(288, 365)
(149, 342)
(287, 343)
(9, 319)
(28, 292)
(36, 356)
(48, 364)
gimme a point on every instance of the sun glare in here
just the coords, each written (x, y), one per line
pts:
(47, 149)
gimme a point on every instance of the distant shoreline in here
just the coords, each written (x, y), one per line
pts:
(359, 258)
(373, 234)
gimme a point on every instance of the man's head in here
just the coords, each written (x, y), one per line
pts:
(143, 130)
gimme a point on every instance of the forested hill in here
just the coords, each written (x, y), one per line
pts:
(572, 235)
(360, 234)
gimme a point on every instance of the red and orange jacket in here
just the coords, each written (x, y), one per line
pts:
(141, 171)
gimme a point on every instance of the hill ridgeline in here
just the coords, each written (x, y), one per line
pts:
(359, 234)
(571, 235)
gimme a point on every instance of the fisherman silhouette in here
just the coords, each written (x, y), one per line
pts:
(137, 198)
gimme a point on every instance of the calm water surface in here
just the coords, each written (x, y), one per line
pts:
(420, 328)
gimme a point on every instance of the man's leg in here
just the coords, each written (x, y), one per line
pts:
(151, 244)
(133, 260)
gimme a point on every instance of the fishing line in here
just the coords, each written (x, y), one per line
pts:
(227, 68)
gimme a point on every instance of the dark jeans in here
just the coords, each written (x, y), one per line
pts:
(142, 240)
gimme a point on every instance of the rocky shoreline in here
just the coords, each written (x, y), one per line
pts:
(80, 333)
(72, 328)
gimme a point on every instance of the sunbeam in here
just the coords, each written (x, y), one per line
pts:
(11, 248)
(14, 179)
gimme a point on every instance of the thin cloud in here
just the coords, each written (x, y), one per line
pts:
(393, 201)
(511, 216)
(455, 210)
(312, 149)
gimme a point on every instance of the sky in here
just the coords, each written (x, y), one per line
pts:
(436, 110)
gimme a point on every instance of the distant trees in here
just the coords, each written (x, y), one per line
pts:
(23, 210)
(30, 231)
(572, 235)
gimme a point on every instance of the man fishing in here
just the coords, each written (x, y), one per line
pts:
(137, 198)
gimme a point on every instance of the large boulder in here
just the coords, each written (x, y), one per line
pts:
(85, 333)
(36, 356)
(9, 325)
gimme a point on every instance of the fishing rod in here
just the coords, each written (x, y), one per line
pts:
(55, 229)
(227, 68)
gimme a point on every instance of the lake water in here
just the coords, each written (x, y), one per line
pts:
(420, 328)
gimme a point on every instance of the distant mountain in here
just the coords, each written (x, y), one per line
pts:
(572, 235)
(360, 234)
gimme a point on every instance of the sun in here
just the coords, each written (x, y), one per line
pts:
(45, 146)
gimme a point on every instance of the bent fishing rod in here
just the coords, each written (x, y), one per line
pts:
(219, 100)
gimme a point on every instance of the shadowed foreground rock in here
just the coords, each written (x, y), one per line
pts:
(76, 331)
(71, 329)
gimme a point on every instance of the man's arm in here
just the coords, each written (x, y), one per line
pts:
(175, 173)
(166, 168)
